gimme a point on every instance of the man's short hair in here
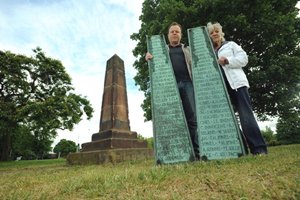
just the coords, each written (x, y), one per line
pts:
(174, 24)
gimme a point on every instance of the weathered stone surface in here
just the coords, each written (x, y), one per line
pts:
(114, 134)
(109, 156)
(114, 112)
(114, 143)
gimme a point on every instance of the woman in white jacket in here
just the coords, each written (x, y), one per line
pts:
(231, 57)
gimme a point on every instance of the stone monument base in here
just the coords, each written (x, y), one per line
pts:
(110, 155)
(114, 134)
(111, 146)
(114, 139)
(113, 143)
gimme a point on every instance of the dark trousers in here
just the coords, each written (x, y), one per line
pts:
(241, 102)
(186, 91)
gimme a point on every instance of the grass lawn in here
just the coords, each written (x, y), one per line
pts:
(275, 176)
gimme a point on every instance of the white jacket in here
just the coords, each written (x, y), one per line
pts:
(237, 59)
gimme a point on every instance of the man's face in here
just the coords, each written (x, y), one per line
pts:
(174, 35)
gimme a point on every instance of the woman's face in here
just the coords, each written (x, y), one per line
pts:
(215, 35)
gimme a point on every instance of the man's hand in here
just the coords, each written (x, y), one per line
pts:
(148, 56)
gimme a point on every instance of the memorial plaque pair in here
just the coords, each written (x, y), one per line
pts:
(218, 131)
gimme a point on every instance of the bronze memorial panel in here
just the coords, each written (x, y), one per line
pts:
(218, 130)
(172, 141)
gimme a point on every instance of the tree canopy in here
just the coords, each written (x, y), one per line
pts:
(268, 30)
(288, 129)
(36, 96)
(64, 147)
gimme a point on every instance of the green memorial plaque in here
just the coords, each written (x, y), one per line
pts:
(172, 141)
(218, 130)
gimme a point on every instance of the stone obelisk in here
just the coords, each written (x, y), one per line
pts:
(115, 141)
(114, 131)
(114, 113)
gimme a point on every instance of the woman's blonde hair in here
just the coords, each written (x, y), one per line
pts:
(216, 26)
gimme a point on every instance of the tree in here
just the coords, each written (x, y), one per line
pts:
(22, 144)
(36, 95)
(65, 147)
(41, 144)
(269, 136)
(268, 30)
(288, 129)
(30, 145)
(150, 141)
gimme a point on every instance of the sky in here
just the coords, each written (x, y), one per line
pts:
(83, 35)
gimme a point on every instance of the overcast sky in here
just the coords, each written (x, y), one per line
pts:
(83, 34)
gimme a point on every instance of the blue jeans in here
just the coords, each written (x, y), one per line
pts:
(186, 91)
(241, 102)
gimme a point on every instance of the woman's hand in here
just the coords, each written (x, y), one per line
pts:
(223, 61)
